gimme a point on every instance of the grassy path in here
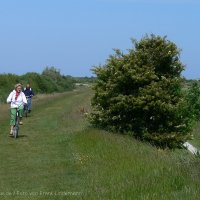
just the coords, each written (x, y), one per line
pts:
(41, 160)
(58, 156)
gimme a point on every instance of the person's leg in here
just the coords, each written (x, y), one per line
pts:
(29, 105)
(21, 111)
(12, 119)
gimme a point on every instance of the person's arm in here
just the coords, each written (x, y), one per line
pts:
(9, 99)
(24, 98)
(32, 93)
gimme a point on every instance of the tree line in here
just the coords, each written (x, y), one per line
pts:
(49, 81)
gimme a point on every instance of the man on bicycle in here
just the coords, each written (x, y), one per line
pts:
(28, 91)
(17, 100)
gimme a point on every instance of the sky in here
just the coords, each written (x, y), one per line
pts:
(76, 35)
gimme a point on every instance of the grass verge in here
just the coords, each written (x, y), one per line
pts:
(59, 156)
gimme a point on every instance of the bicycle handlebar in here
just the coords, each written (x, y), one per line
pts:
(19, 105)
(29, 96)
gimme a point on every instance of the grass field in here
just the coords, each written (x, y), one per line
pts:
(59, 156)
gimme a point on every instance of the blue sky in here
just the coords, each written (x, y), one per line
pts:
(76, 35)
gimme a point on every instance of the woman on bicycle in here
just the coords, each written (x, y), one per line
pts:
(16, 99)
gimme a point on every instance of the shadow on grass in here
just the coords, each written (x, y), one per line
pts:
(19, 136)
(22, 136)
(24, 117)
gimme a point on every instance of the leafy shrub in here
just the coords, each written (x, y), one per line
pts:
(140, 92)
(190, 107)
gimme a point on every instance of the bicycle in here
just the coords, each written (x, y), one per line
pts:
(26, 108)
(15, 131)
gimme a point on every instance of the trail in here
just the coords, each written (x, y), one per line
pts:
(40, 158)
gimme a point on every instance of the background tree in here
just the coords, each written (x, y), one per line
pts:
(48, 82)
(191, 104)
(140, 92)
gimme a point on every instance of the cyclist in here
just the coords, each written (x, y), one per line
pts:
(28, 91)
(16, 99)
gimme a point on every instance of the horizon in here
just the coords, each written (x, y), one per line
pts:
(87, 76)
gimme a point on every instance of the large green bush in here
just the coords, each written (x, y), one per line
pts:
(140, 92)
(6, 84)
(61, 82)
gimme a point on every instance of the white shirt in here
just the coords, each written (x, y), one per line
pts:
(21, 99)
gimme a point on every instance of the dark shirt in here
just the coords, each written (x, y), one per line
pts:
(28, 92)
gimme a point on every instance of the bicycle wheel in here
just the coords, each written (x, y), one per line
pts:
(26, 111)
(16, 128)
(14, 132)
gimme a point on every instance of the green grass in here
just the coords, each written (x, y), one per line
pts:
(59, 156)
(196, 134)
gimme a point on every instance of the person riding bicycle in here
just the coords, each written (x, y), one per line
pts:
(28, 91)
(16, 99)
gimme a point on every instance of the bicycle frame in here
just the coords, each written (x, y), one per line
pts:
(16, 126)
(26, 108)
